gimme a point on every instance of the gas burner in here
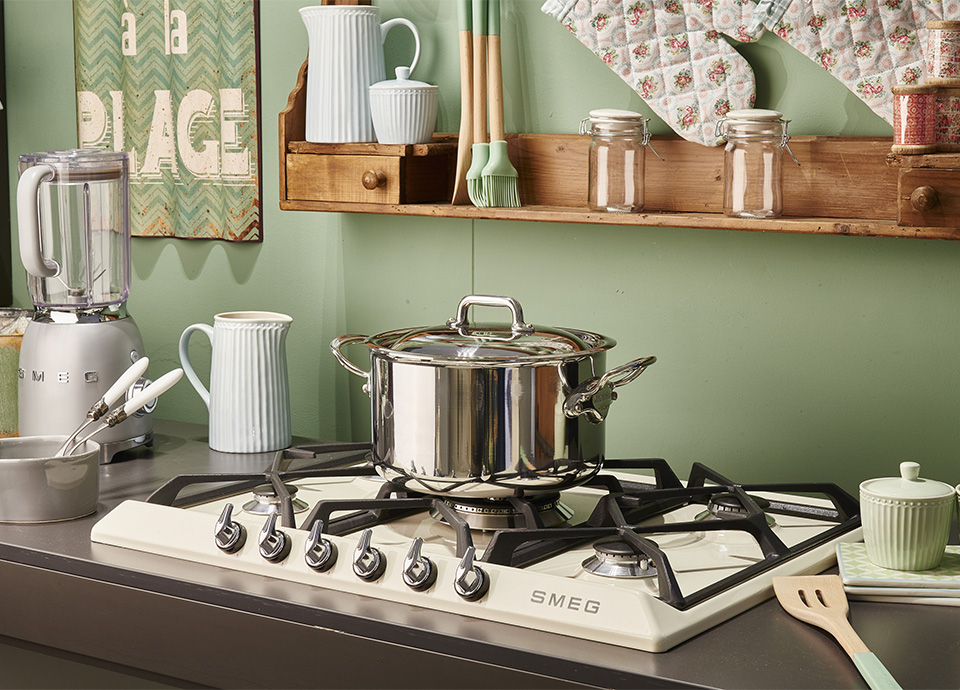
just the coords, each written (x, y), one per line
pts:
(613, 557)
(728, 505)
(504, 514)
(265, 500)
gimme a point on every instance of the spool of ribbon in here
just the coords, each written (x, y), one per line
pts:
(947, 125)
(914, 110)
(943, 53)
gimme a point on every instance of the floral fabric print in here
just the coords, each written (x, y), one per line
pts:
(869, 45)
(671, 53)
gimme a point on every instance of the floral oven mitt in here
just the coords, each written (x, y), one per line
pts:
(671, 52)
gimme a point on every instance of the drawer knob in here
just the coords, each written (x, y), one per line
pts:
(373, 178)
(924, 198)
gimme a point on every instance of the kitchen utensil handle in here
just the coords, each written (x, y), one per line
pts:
(461, 194)
(337, 344)
(495, 71)
(518, 326)
(152, 392)
(185, 358)
(874, 672)
(127, 379)
(28, 217)
(479, 71)
(390, 23)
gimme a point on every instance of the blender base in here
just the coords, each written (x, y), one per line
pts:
(67, 362)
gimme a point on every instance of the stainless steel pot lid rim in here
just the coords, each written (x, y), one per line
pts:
(491, 342)
(460, 340)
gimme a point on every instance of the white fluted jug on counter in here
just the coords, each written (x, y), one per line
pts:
(345, 59)
(249, 396)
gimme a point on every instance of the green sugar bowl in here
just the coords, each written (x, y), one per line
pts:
(906, 519)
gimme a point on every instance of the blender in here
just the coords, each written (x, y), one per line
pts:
(73, 213)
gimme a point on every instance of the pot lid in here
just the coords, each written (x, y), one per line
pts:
(403, 82)
(908, 486)
(461, 341)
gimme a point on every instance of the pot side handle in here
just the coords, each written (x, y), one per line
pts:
(593, 397)
(338, 343)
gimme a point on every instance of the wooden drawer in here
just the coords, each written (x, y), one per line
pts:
(929, 197)
(380, 179)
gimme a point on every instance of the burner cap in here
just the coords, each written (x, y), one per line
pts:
(728, 505)
(265, 500)
(613, 557)
(500, 514)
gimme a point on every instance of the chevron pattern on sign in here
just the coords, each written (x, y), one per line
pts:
(174, 83)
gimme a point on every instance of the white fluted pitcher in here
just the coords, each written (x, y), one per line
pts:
(345, 58)
(249, 396)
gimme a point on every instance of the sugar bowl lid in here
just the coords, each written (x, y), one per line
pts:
(908, 486)
(403, 83)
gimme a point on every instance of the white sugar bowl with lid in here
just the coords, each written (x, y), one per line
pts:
(906, 519)
(404, 110)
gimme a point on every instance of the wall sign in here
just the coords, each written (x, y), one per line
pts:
(175, 83)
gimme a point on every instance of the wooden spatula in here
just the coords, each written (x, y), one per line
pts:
(820, 600)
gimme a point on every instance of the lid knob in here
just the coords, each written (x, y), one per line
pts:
(910, 471)
(403, 73)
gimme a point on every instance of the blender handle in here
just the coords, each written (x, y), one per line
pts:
(28, 217)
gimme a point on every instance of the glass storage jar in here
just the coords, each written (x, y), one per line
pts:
(752, 169)
(618, 138)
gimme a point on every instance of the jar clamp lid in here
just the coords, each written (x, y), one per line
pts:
(611, 122)
(755, 124)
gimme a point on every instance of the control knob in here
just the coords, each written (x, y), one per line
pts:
(230, 536)
(368, 563)
(319, 553)
(274, 544)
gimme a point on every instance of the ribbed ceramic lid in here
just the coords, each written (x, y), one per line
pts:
(908, 486)
(403, 82)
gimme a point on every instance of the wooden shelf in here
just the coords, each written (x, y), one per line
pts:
(560, 214)
(844, 185)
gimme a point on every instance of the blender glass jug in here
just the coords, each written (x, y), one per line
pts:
(74, 228)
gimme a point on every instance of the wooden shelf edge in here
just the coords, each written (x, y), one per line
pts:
(556, 214)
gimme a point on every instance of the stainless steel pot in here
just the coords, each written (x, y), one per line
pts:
(488, 410)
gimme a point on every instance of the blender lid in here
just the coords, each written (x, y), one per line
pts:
(80, 165)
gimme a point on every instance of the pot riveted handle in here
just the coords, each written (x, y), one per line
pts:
(518, 327)
(593, 397)
(338, 343)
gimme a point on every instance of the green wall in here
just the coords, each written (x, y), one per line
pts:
(781, 357)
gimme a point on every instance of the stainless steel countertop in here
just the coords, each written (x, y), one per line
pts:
(212, 626)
